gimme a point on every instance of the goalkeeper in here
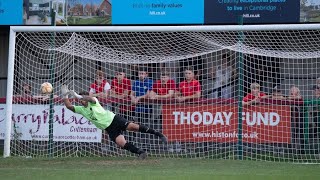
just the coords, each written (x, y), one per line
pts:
(107, 120)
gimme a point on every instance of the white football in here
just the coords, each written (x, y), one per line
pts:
(46, 88)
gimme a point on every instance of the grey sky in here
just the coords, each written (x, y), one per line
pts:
(315, 2)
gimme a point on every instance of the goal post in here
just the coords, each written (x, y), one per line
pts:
(8, 121)
(204, 117)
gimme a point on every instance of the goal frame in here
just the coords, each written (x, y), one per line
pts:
(200, 28)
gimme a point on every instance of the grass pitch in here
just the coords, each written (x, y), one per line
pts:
(152, 168)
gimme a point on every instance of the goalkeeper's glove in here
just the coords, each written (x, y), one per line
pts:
(65, 91)
(74, 94)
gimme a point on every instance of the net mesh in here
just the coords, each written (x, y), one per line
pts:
(217, 78)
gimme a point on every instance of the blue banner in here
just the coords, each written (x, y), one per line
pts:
(11, 12)
(158, 12)
(252, 11)
(136, 12)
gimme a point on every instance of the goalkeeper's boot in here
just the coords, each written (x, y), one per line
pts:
(142, 154)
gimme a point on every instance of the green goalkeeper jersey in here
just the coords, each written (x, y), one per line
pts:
(96, 114)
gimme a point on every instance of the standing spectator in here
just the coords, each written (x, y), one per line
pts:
(120, 85)
(208, 84)
(190, 88)
(120, 89)
(255, 96)
(100, 87)
(225, 74)
(140, 90)
(297, 119)
(294, 93)
(26, 90)
(316, 89)
(163, 88)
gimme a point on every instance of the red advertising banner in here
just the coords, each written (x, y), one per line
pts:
(219, 123)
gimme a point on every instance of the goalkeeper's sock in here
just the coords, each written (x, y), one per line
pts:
(130, 147)
(162, 137)
(145, 129)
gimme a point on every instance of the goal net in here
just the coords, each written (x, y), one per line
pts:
(230, 92)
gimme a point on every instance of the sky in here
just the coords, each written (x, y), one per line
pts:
(316, 2)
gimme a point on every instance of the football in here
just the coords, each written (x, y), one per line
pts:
(46, 88)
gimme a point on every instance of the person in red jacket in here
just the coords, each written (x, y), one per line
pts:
(121, 89)
(120, 85)
(190, 88)
(100, 87)
(255, 96)
(163, 88)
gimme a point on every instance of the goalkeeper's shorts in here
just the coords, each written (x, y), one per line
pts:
(118, 125)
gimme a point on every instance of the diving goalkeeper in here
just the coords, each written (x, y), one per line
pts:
(107, 120)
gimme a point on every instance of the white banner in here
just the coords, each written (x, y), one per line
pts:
(31, 122)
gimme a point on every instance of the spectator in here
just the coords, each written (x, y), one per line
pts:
(26, 90)
(120, 89)
(208, 84)
(120, 85)
(255, 96)
(140, 90)
(294, 93)
(190, 88)
(297, 119)
(163, 88)
(224, 76)
(277, 94)
(316, 89)
(100, 87)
